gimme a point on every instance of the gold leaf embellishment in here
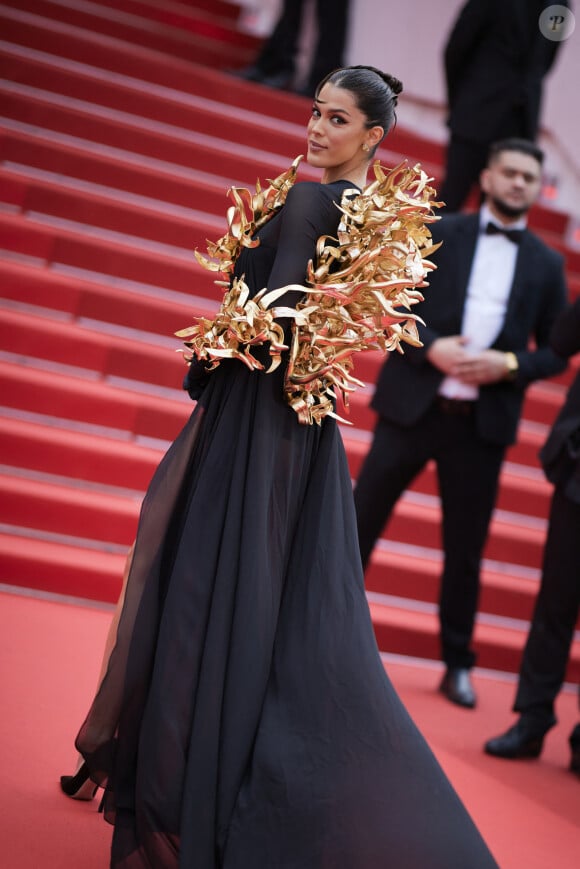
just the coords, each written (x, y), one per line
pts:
(245, 217)
(359, 291)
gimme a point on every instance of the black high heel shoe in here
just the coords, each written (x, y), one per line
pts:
(79, 786)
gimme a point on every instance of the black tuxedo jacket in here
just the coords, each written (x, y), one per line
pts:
(408, 383)
(565, 433)
(495, 60)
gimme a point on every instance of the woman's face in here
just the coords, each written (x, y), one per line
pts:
(337, 133)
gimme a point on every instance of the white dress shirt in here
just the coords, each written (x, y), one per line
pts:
(487, 295)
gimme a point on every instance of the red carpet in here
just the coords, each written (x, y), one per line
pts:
(50, 654)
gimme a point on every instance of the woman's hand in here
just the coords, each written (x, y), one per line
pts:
(196, 378)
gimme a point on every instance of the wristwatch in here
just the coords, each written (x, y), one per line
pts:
(512, 365)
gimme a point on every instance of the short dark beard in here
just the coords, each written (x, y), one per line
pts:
(507, 210)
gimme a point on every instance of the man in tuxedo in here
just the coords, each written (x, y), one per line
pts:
(496, 58)
(458, 398)
(543, 666)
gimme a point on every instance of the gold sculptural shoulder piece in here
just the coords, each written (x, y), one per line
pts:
(241, 322)
(358, 295)
(249, 212)
(362, 287)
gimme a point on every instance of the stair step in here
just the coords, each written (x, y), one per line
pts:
(152, 360)
(151, 139)
(14, 104)
(36, 33)
(63, 569)
(89, 248)
(70, 83)
(123, 28)
(214, 18)
(109, 355)
(222, 10)
(404, 573)
(75, 44)
(97, 575)
(68, 119)
(29, 237)
(151, 221)
(66, 510)
(207, 10)
(69, 111)
(412, 632)
(24, 149)
(513, 538)
(65, 396)
(61, 395)
(523, 489)
(92, 302)
(53, 448)
(115, 153)
(160, 312)
(73, 453)
(401, 141)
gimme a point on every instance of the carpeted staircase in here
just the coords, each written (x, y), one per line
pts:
(119, 135)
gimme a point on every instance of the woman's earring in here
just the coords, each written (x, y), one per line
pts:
(365, 147)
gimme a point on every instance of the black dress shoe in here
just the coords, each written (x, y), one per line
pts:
(281, 80)
(521, 740)
(456, 686)
(248, 73)
(305, 90)
(574, 741)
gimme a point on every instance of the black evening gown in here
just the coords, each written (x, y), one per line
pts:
(246, 721)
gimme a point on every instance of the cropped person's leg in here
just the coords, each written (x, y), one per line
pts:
(547, 649)
(468, 480)
(464, 162)
(332, 25)
(278, 54)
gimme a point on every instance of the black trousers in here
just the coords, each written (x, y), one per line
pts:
(278, 53)
(547, 649)
(465, 159)
(468, 472)
(464, 162)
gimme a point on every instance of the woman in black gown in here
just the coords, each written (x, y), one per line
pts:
(245, 720)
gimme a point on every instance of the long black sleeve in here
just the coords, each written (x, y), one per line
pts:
(310, 211)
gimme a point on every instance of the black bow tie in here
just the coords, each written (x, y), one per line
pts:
(514, 235)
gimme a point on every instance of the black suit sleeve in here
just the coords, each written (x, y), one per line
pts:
(543, 361)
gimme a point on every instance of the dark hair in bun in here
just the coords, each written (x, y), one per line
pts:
(375, 93)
